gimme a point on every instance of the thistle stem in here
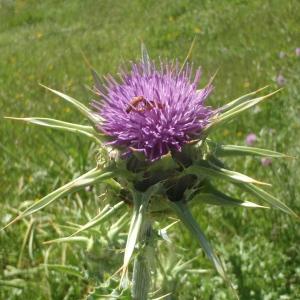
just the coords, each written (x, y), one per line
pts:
(141, 269)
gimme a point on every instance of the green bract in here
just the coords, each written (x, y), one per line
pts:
(167, 185)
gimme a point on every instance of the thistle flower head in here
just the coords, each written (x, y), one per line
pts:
(153, 109)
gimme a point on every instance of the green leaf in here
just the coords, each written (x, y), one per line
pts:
(25, 240)
(224, 200)
(11, 271)
(215, 171)
(66, 269)
(240, 100)
(134, 230)
(82, 108)
(225, 150)
(71, 239)
(106, 212)
(116, 186)
(188, 220)
(266, 197)
(15, 283)
(57, 124)
(93, 176)
(118, 226)
(229, 114)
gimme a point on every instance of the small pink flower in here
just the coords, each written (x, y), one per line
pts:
(251, 139)
(280, 80)
(297, 51)
(266, 161)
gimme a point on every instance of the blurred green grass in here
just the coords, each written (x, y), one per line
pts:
(43, 41)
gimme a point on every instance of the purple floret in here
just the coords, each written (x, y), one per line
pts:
(153, 110)
(251, 138)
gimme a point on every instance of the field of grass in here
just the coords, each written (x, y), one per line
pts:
(250, 42)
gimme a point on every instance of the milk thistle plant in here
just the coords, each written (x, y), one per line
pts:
(152, 128)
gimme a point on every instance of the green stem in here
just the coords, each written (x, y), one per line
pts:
(141, 269)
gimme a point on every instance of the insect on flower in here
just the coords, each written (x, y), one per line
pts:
(134, 102)
(147, 105)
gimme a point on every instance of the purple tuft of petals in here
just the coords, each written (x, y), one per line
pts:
(280, 79)
(266, 161)
(251, 139)
(153, 110)
(297, 51)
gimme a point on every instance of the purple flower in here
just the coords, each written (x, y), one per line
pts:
(251, 139)
(280, 80)
(266, 161)
(152, 109)
(297, 51)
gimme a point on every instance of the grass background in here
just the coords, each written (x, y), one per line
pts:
(43, 41)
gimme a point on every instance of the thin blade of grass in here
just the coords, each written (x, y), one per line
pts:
(163, 296)
(14, 283)
(66, 269)
(15, 272)
(25, 240)
(188, 54)
(145, 59)
(69, 239)
(96, 77)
